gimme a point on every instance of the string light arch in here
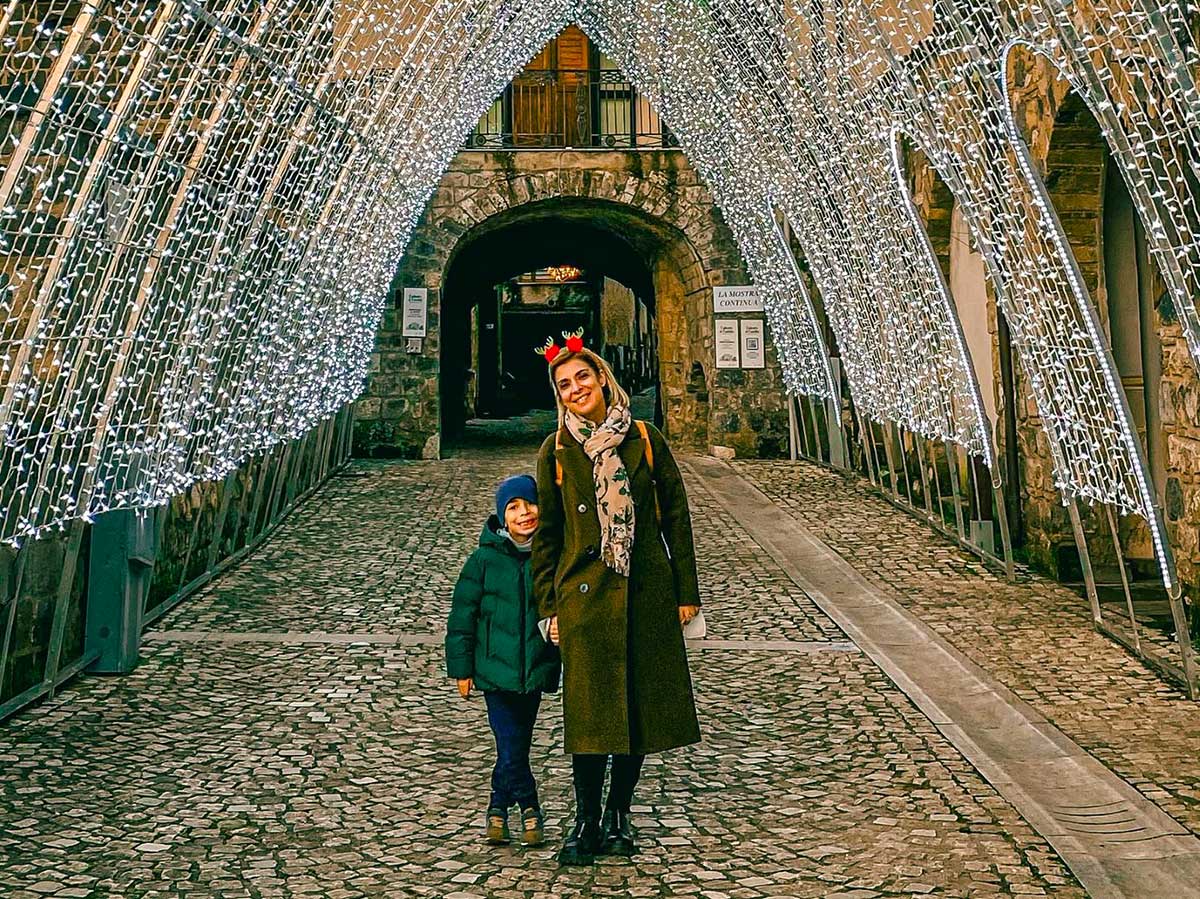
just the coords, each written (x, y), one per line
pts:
(203, 204)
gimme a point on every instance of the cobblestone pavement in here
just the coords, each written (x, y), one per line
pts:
(1034, 636)
(293, 767)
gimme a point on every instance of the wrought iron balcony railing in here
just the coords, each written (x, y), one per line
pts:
(578, 108)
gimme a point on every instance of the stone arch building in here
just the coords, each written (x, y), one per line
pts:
(654, 203)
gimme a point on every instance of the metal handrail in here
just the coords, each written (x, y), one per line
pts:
(577, 108)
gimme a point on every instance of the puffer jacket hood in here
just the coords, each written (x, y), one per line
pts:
(490, 536)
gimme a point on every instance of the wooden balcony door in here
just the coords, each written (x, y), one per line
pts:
(551, 103)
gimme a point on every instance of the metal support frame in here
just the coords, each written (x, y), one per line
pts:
(191, 548)
(839, 451)
(124, 550)
(952, 468)
(804, 430)
(925, 493)
(864, 436)
(279, 488)
(1116, 539)
(1085, 562)
(260, 481)
(10, 609)
(214, 548)
(124, 546)
(818, 451)
(839, 456)
(793, 433)
(1005, 535)
(888, 455)
(1185, 672)
(937, 482)
(62, 601)
(937, 520)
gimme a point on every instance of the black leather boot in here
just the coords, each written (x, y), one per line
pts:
(618, 834)
(584, 843)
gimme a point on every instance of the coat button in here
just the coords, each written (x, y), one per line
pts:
(582, 508)
(583, 588)
(591, 552)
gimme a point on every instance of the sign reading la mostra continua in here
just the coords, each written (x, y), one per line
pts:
(730, 300)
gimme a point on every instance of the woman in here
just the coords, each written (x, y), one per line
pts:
(614, 569)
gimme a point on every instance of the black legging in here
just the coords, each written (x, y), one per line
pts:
(588, 773)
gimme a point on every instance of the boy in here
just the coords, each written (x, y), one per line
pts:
(494, 644)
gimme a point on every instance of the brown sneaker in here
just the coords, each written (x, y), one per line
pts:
(497, 827)
(535, 826)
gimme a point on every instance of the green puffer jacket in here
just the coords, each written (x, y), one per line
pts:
(492, 634)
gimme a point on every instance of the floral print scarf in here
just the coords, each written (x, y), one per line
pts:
(614, 502)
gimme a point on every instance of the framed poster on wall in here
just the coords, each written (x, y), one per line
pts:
(416, 301)
(727, 343)
(754, 349)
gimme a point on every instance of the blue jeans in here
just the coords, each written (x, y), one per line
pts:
(512, 716)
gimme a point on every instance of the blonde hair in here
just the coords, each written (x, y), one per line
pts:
(614, 393)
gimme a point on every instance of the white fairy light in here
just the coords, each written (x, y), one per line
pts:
(205, 202)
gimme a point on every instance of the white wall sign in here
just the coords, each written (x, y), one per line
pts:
(728, 300)
(754, 350)
(416, 301)
(727, 343)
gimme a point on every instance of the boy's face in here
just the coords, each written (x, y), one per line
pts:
(521, 519)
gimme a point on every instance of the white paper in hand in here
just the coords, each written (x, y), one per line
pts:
(696, 629)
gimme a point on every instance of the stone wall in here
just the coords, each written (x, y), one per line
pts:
(1068, 150)
(39, 586)
(399, 414)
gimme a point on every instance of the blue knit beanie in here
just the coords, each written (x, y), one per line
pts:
(519, 486)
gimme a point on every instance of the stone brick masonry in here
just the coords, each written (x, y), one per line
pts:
(399, 411)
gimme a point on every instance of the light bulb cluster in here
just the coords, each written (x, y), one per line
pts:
(204, 203)
(804, 102)
(201, 212)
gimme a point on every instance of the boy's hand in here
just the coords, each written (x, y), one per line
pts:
(687, 613)
(465, 685)
(554, 630)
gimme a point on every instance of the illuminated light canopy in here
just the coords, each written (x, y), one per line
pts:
(203, 204)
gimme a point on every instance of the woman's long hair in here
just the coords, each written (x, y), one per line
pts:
(614, 393)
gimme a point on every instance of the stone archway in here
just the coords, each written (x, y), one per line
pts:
(694, 250)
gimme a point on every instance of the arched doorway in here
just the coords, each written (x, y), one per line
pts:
(534, 272)
(1109, 244)
(634, 223)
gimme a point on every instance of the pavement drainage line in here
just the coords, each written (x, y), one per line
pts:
(322, 638)
(1052, 781)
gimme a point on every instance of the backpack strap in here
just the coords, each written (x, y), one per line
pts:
(649, 446)
(557, 463)
(649, 449)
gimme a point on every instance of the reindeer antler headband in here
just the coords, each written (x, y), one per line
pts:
(550, 350)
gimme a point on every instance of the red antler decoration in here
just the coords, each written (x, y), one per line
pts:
(550, 350)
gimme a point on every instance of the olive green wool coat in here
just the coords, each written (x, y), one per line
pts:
(626, 685)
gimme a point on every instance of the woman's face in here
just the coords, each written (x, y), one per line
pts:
(581, 389)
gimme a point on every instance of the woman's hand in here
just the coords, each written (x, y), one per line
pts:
(554, 630)
(465, 685)
(687, 613)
